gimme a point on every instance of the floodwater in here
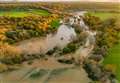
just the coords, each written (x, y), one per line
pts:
(51, 71)
(63, 36)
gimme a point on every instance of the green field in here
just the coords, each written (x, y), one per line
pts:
(40, 12)
(105, 15)
(17, 13)
(114, 58)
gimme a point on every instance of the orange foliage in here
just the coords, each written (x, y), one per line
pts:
(8, 51)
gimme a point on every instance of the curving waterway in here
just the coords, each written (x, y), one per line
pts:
(51, 71)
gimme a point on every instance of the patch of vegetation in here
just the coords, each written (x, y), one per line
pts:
(24, 13)
(55, 23)
(40, 12)
(56, 72)
(113, 58)
(38, 73)
(30, 62)
(19, 35)
(108, 30)
(9, 54)
(3, 67)
(105, 15)
(69, 48)
(17, 29)
(65, 61)
(93, 70)
(50, 52)
(107, 36)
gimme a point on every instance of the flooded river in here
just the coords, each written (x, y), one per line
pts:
(51, 71)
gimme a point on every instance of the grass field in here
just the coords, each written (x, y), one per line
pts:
(40, 12)
(14, 13)
(105, 15)
(114, 58)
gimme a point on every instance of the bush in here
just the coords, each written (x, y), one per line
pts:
(94, 70)
(3, 67)
(110, 68)
(70, 48)
(108, 30)
(9, 54)
(101, 50)
(93, 22)
(38, 73)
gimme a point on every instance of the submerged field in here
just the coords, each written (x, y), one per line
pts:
(24, 13)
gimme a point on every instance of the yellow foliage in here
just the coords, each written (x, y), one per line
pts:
(54, 15)
(3, 67)
(8, 51)
(111, 67)
(45, 22)
(2, 37)
(3, 30)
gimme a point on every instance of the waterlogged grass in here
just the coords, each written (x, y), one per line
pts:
(105, 15)
(24, 13)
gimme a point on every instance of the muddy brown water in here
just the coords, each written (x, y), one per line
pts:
(49, 71)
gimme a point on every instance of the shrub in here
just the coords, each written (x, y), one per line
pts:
(93, 69)
(100, 50)
(9, 54)
(111, 67)
(70, 48)
(3, 67)
(38, 73)
(108, 30)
